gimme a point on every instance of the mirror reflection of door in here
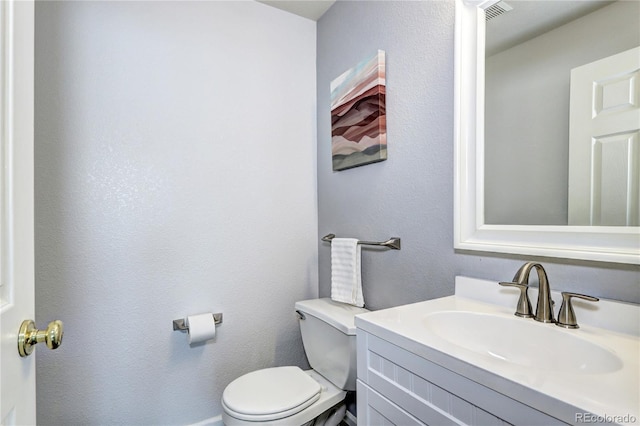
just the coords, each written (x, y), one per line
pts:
(604, 128)
(527, 106)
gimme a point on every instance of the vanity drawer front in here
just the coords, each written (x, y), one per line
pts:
(423, 388)
(376, 410)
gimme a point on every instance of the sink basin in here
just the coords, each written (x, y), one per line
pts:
(522, 342)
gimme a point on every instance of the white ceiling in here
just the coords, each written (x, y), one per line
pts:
(311, 9)
(530, 18)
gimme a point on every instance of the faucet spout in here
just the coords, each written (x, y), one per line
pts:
(544, 308)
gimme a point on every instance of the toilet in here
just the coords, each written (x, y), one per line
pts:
(291, 396)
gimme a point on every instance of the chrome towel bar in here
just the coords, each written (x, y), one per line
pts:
(392, 243)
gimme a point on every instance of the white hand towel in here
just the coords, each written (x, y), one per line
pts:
(346, 279)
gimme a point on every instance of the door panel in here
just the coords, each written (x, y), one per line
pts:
(17, 399)
(604, 128)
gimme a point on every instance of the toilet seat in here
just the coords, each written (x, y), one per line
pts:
(270, 394)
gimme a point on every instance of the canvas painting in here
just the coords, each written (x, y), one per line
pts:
(358, 119)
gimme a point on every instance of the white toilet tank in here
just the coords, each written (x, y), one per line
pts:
(329, 339)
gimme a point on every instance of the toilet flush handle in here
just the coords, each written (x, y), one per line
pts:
(300, 315)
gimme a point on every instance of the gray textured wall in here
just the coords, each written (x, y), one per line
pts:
(410, 195)
(175, 175)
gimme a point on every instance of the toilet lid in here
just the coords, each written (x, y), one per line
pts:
(271, 393)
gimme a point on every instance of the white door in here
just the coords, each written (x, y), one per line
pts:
(17, 403)
(604, 138)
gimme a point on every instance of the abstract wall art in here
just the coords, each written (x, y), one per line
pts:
(358, 118)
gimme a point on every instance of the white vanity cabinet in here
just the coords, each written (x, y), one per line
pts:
(467, 359)
(397, 387)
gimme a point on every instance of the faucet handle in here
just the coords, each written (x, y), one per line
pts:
(524, 305)
(566, 316)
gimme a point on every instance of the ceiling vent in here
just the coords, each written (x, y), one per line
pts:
(496, 10)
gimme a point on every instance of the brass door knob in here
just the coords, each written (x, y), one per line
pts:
(28, 336)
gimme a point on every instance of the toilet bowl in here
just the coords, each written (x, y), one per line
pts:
(279, 396)
(293, 397)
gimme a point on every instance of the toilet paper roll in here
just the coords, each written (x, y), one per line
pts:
(202, 327)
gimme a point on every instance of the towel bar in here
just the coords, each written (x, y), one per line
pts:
(392, 243)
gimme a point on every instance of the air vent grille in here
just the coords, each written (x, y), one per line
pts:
(496, 10)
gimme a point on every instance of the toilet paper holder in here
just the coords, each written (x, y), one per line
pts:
(179, 324)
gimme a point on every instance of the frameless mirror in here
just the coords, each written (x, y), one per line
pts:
(523, 185)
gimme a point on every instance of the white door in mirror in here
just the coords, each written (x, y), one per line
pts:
(604, 142)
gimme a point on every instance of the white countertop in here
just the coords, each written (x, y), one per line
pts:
(557, 393)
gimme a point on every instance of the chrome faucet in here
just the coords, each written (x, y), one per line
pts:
(544, 308)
